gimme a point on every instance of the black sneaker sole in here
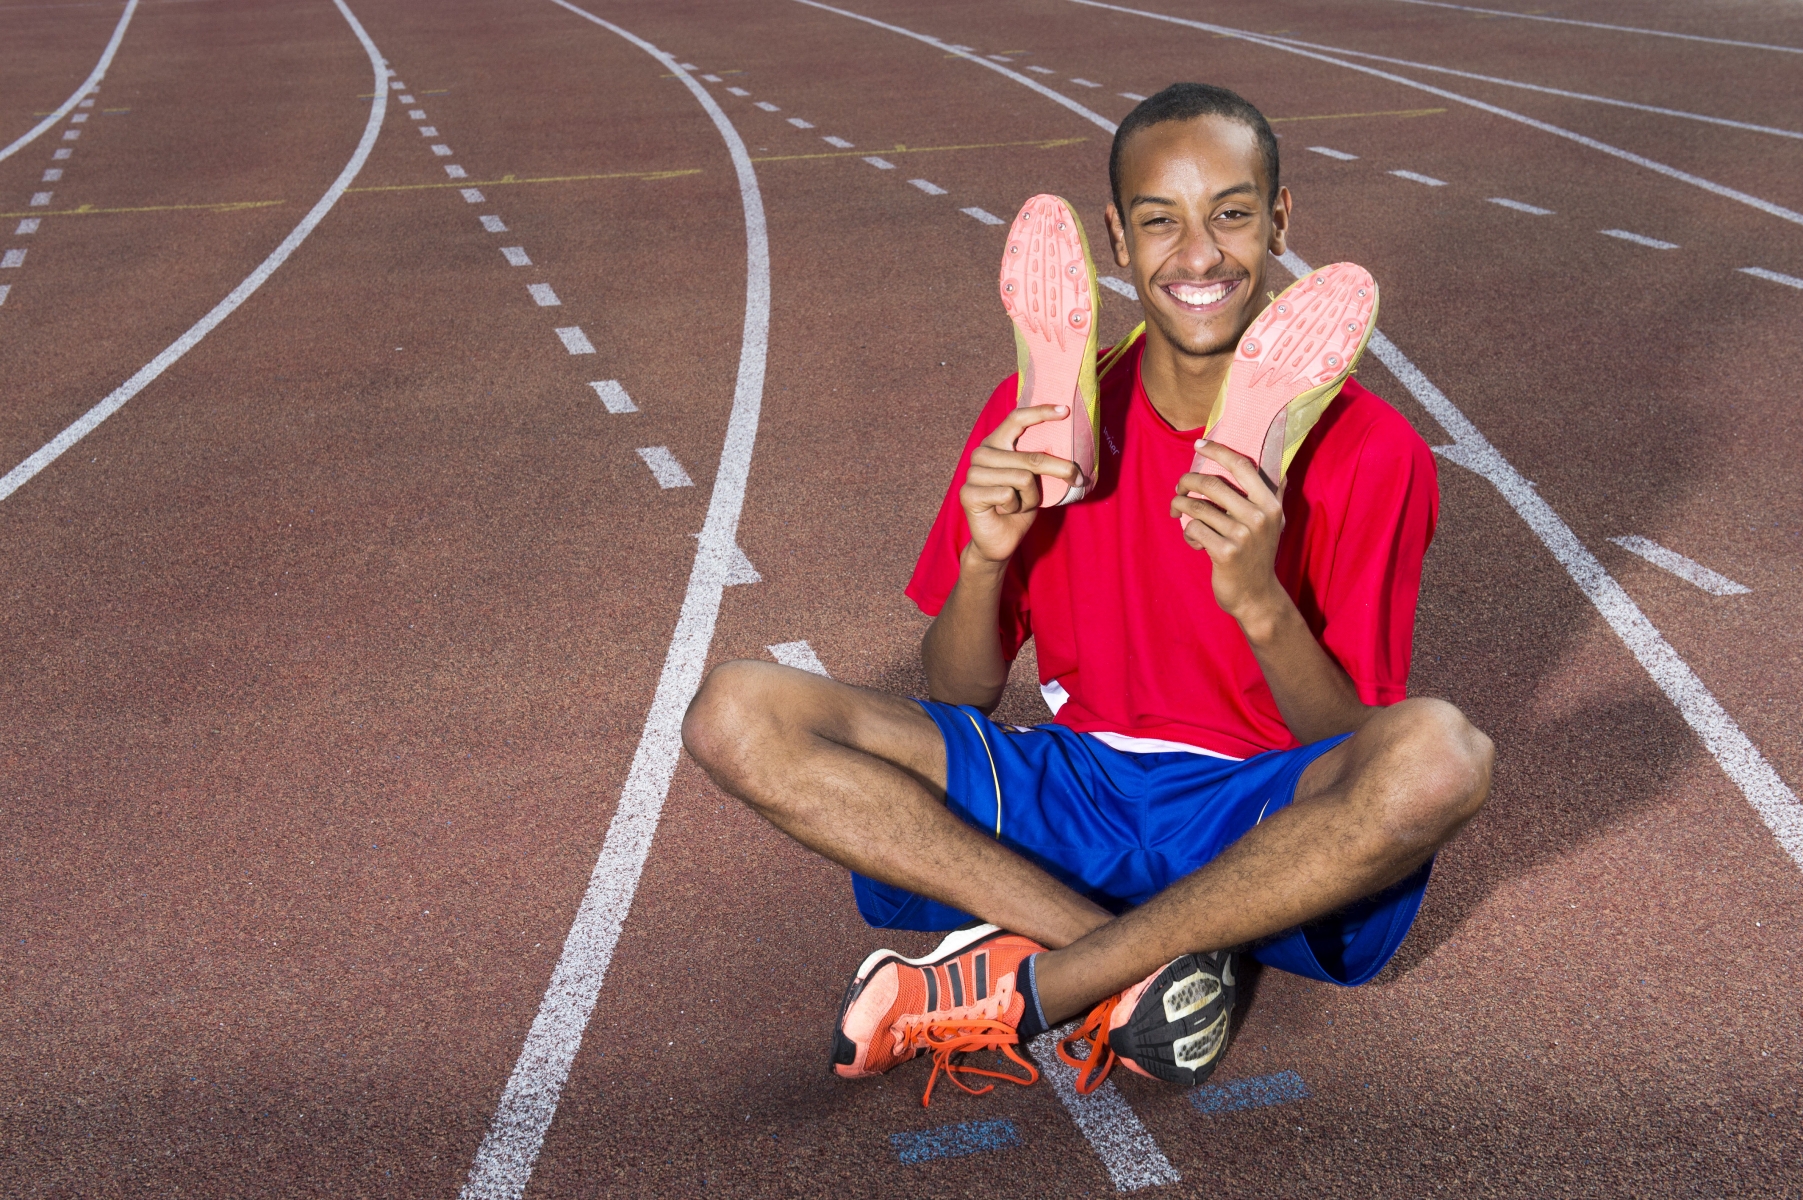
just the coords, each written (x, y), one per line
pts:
(1179, 1028)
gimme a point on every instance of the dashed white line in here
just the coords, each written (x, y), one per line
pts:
(406, 99)
(576, 341)
(30, 225)
(493, 224)
(1113, 1129)
(711, 78)
(1332, 153)
(455, 171)
(39, 199)
(988, 218)
(71, 135)
(1416, 177)
(999, 57)
(1118, 285)
(737, 91)
(62, 153)
(931, 189)
(4, 289)
(442, 150)
(52, 175)
(543, 296)
(839, 142)
(1130, 96)
(1688, 570)
(12, 258)
(1084, 83)
(800, 655)
(881, 164)
(1762, 273)
(88, 103)
(470, 195)
(1041, 70)
(398, 86)
(664, 467)
(516, 256)
(766, 106)
(801, 124)
(1639, 239)
(428, 130)
(689, 67)
(418, 114)
(78, 118)
(1531, 209)
(87, 85)
(613, 395)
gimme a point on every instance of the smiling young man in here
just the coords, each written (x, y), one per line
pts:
(1233, 764)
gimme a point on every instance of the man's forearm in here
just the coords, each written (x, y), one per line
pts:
(962, 650)
(1315, 696)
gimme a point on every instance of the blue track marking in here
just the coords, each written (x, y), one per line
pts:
(1258, 1091)
(955, 1141)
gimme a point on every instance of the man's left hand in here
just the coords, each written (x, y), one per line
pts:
(1238, 531)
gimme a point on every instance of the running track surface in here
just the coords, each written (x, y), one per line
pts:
(329, 654)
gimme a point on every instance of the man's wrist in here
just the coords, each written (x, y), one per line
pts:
(1264, 618)
(975, 566)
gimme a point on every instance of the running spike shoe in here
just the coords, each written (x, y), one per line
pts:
(1171, 1025)
(1048, 285)
(1290, 364)
(959, 999)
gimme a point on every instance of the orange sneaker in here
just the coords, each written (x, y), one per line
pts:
(1291, 362)
(1172, 1025)
(1048, 286)
(957, 1000)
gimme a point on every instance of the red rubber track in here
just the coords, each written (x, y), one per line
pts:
(328, 654)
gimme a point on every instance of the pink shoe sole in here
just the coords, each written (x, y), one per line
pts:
(1047, 287)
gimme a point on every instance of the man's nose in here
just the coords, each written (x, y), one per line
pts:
(1199, 253)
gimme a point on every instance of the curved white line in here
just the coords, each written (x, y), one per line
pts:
(1688, 37)
(504, 1162)
(1549, 91)
(1765, 206)
(1774, 801)
(16, 478)
(87, 85)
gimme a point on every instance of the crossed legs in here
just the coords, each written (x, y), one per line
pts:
(859, 777)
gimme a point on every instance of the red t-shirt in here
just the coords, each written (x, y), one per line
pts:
(1122, 607)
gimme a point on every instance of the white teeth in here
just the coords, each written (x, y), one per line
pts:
(1198, 295)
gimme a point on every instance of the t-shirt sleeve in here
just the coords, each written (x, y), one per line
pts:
(936, 572)
(1369, 607)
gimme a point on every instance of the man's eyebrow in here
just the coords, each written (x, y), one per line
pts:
(1139, 200)
(1237, 189)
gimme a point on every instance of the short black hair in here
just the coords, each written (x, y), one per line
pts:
(1186, 102)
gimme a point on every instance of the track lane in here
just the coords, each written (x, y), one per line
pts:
(42, 48)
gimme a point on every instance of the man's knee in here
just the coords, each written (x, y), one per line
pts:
(1437, 766)
(725, 719)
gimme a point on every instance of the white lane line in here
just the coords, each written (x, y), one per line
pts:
(1118, 285)
(70, 135)
(1548, 91)
(1756, 272)
(1042, 70)
(455, 171)
(711, 78)
(799, 655)
(1639, 239)
(1688, 37)
(40, 199)
(12, 258)
(62, 153)
(88, 103)
(87, 85)
(1689, 570)
(801, 124)
(442, 150)
(1130, 96)
(79, 118)
(574, 340)
(493, 224)
(515, 256)
(741, 571)
(1765, 206)
(30, 225)
(766, 106)
(931, 189)
(1084, 82)
(983, 215)
(417, 114)
(733, 91)
(838, 142)
(85, 424)
(1518, 206)
(398, 86)
(689, 67)
(1114, 1130)
(503, 1165)
(406, 99)
(613, 395)
(664, 467)
(543, 296)
(470, 195)
(428, 130)
(51, 175)
(1429, 180)
(998, 58)
(4, 289)
(1332, 153)
(881, 164)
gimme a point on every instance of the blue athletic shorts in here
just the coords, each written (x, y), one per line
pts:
(1120, 827)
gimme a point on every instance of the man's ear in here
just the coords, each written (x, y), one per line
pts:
(1280, 221)
(1117, 237)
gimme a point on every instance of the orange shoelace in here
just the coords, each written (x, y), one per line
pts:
(948, 1040)
(1092, 1070)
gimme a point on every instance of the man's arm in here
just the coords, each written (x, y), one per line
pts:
(962, 650)
(1239, 533)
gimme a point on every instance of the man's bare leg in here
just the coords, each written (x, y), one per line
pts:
(859, 777)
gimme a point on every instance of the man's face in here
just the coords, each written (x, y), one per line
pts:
(1196, 229)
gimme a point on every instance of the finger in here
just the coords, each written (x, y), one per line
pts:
(1245, 472)
(1020, 419)
(1012, 477)
(1039, 463)
(1205, 513)
(1002, 501)
(1223, 495)
(1200, 537)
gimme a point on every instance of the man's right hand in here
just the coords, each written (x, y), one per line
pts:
(1001, 491)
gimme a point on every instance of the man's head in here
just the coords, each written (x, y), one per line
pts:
(1198, 204)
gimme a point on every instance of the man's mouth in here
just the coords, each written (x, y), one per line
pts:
(1201, 297)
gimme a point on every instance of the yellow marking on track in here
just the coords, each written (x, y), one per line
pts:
(1400, 112)
(1048, 144)
(88, 210)
(512, 179)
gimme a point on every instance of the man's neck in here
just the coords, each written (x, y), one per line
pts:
(1182, 387)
